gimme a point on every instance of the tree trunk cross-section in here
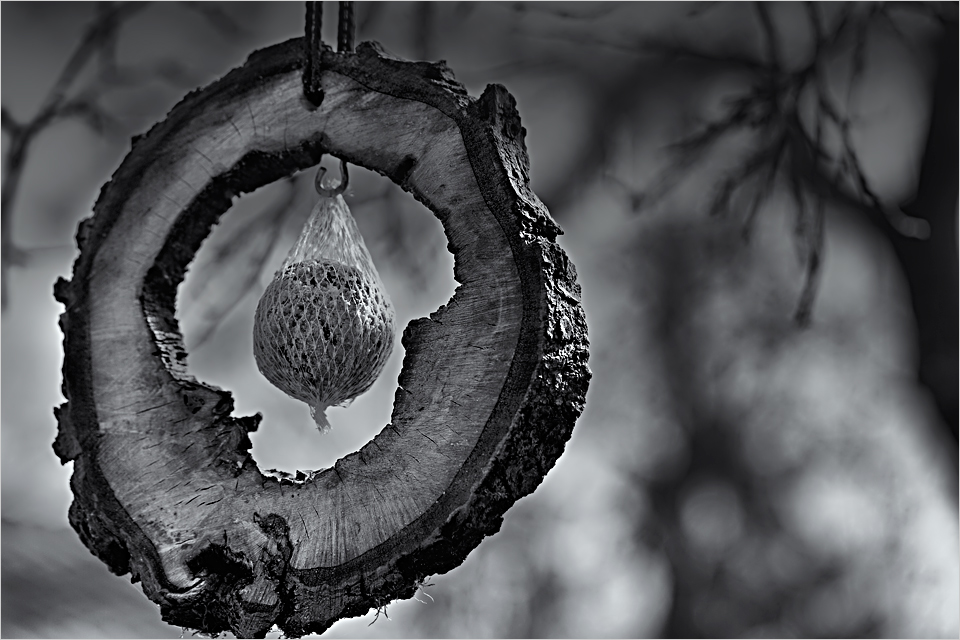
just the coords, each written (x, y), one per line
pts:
(492, 383)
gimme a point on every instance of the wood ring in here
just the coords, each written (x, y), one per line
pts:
(492, 382)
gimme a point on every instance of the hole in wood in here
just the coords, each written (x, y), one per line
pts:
(219, 295)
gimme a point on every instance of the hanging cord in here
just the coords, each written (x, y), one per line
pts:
(313, 49)
(345, 28)
(312, 68)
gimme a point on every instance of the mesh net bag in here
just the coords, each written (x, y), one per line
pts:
(324, 327)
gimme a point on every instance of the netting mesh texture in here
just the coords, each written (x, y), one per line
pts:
(324, 327)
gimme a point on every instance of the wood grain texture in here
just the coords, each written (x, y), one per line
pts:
(491, 386)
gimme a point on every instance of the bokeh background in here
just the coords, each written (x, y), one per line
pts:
(769, 443)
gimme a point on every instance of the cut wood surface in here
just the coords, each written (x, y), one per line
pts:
(492, 382)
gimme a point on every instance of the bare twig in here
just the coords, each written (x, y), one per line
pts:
(813, 248)
(633, 195)
(216, 17)
(107, 58)
(594, 11)
(942, 12)
(815, 24)
(770, 109)
(764, 189)
(765, 156)
(649, 47)
(701, 8)
(888, 21)
(63, 100)
(90, 113)
(10, 126)
(238, 262)
(689, 151)
(675, 51)
(97, 35)
(52, 108)
(770, 38)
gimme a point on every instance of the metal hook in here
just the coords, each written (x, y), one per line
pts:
(337, 190)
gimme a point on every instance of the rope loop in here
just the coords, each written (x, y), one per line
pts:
(346, 30)
(313, 45)
(313, 49)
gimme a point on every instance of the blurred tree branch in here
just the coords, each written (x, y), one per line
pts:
(592, 11)
(802, 127)
(65, 100)
(772, 109)
(792, 140)
(236, 264)
(791, 113)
